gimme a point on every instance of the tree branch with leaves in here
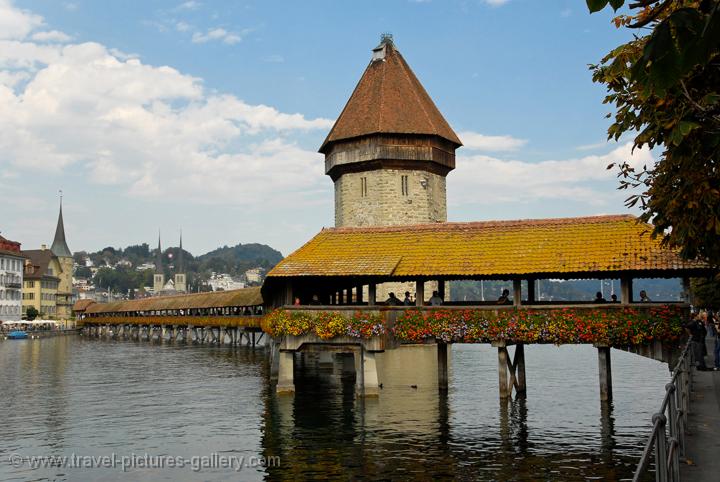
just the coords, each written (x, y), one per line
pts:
(664, 85)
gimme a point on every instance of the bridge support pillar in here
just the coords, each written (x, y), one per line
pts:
(503, 385)
(366, 380)
(442, 364)
(163, 333)
(274, 360)
(605, 373)
(286, 366)
(511, 373)
(519, 364)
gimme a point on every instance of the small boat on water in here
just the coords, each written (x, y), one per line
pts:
(17, 335)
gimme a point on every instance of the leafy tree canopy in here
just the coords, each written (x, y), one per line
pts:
(705, 292)
(665, 87)
(31, 313)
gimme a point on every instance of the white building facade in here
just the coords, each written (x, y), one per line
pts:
(11, 280)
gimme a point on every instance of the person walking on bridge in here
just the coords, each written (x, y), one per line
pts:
(714, 324)
(696, 329)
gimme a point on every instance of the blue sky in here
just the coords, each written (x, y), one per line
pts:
(207, 115)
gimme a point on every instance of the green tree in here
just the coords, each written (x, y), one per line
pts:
(705, 292)
(31, 313)
(83, 272)
(665, 87)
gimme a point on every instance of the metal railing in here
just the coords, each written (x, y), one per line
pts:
(669, 447)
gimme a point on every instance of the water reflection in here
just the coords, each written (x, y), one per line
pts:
(70, 395)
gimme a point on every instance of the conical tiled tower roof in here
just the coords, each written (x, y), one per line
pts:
(59, 246)
(389, 99)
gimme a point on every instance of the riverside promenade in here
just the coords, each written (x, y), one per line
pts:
(703, 440)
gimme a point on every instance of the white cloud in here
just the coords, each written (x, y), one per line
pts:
(51, 36)
(483, 179)
(475, 141)
(70, 6)
(590, 147)
(496, 3)
(152, 131)
(182, 27)
(189, 5)
(216, 34)
(16, 23)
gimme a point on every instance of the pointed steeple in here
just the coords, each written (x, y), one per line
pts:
(181, 258)
(389, 99)
(158, 259)
(59, 246)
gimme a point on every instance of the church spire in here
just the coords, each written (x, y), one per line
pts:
(158, 259)
(59, 246)
(181, 258)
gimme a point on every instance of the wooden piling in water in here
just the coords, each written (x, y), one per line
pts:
(605, 372)
(442, 364)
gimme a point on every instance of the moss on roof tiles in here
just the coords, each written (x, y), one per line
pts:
(566, 245)
(216, 299)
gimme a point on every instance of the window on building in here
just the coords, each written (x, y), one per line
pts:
(404, 188)
(363, 187)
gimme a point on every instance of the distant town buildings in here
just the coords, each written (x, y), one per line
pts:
(11, 279)
(224, 282)
(255, 275)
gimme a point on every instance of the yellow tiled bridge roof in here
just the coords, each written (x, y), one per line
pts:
(216, 299)
(589, 246)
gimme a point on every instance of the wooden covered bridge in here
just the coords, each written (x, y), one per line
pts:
(334, 277)
(221, 317)
(322, 297)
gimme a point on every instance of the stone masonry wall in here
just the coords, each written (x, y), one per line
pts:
(384, 203)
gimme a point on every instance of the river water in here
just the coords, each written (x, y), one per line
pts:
(99, 399)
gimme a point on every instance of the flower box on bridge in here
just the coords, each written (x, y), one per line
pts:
(607, 324)
(170, 320)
